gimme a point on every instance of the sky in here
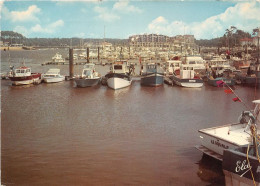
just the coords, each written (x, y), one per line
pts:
(123, 18)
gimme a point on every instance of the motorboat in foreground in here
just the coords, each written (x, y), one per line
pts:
(89, 76)
(231, 136)
(53, 76)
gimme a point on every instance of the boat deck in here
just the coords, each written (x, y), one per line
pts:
(230, 133)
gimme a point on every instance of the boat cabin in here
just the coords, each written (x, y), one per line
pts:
(22, 71)
(187, 72)
(195, 61)
(119, 67)
(88, 70)
(53, 72)
(152, 68)
(218, 62)
(172, 65)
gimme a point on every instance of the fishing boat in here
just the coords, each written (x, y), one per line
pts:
(119, 76)
(152, 75)
(89, 76)
(53, 76)
(231, 136)
(186, 77)
(23, 76)
(218, 81)
(241, 166)
(222, 79)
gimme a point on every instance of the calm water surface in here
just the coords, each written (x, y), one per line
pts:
(57, 134)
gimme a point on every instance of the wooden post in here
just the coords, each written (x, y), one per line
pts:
(88, 55)
(71, 65)
(98, 53)
(258, 46)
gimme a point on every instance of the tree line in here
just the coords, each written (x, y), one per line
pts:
(231, 38)
(16, 38)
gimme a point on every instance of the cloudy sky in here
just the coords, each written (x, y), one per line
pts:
(120, 19)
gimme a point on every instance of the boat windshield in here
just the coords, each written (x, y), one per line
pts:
(87, 72)
(51, 76)
(118, 67)
(151, 68)
(20, 71)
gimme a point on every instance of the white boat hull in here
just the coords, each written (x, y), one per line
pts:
(25, 82)
(118, 83)
(53, 80)
(217, 139)
(190, 85)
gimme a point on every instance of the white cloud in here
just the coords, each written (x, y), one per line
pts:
(124, 7)
(22, 16)
(160, 24)
(244, 16)
(105, 14)
(49, 29)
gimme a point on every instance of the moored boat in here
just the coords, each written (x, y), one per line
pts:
(24, 76)
(152, 75)
(119, 76)
(53, 76)
(57, 58)
(89, 76)
(217, 139)
(186, 77)
(220, 81)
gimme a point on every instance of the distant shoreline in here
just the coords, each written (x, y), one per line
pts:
(11, 48)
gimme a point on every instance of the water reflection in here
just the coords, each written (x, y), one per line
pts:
(210, 170)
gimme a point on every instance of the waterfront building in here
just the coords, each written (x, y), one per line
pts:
(161, 41)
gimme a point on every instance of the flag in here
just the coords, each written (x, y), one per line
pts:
(220, 83)
(228, 91)
(236, 99)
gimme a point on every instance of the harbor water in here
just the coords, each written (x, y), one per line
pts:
(58, 134)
